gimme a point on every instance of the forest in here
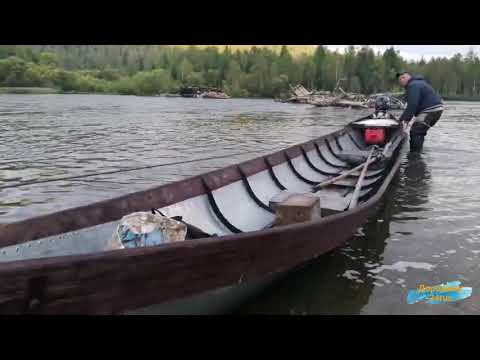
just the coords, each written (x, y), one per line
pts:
(242, 71)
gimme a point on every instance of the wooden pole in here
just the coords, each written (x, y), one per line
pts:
(358, 187)
(346, 173)
(343, 175)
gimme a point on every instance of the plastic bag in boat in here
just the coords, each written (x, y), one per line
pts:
(143, 229)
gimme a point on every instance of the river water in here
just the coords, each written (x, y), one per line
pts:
(427, 231)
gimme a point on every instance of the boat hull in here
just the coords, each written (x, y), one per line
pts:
(214, 302)
(121, 281)
(159, 275)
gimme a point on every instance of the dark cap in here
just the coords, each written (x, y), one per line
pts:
(400, 73)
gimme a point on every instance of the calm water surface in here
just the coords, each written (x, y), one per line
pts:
(427, 231)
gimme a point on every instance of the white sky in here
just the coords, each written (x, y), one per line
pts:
(415, 52)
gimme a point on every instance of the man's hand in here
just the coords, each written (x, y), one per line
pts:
(408, 125)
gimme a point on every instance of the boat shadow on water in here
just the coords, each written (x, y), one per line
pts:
(338, 283)
(414, 186)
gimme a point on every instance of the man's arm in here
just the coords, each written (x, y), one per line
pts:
(413, 98)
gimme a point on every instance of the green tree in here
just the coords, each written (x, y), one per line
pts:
(185, 69)
(47, 58)
(233, 78)
(151, 82)
(391, 65)
(12, 71)
(319, 65)
(350, 68)
(366, 70)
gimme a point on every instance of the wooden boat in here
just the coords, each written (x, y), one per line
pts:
(57, 263)
(192, 91)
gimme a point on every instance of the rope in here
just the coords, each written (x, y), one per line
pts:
(34, 182)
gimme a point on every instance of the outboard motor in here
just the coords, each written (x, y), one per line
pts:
(382, 105)
(378, 126)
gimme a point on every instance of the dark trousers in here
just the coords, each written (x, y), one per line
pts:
(420, 128)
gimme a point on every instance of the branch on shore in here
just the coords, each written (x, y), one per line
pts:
(336, 98)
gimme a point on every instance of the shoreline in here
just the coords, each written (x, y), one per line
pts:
(42, 90)
(461, 98)
(28, 90)
(48, 91)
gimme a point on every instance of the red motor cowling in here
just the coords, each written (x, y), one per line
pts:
(375, 136)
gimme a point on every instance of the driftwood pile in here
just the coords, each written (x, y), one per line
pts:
(299, 95)
(339, 98)
(336, 98)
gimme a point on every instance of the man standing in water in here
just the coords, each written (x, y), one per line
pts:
(423, 103)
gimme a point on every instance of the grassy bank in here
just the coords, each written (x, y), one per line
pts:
(44, 90)
(461, 98)
(28, 90)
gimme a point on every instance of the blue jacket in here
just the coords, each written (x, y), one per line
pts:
(420, 96)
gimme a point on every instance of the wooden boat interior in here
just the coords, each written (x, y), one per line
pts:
(233, 200)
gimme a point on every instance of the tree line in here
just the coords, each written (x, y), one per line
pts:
(257, 71)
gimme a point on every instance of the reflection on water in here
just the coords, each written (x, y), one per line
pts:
(343, 281)
(426, 232)
(414, 186)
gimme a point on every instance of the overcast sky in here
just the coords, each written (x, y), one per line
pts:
(415, 52)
